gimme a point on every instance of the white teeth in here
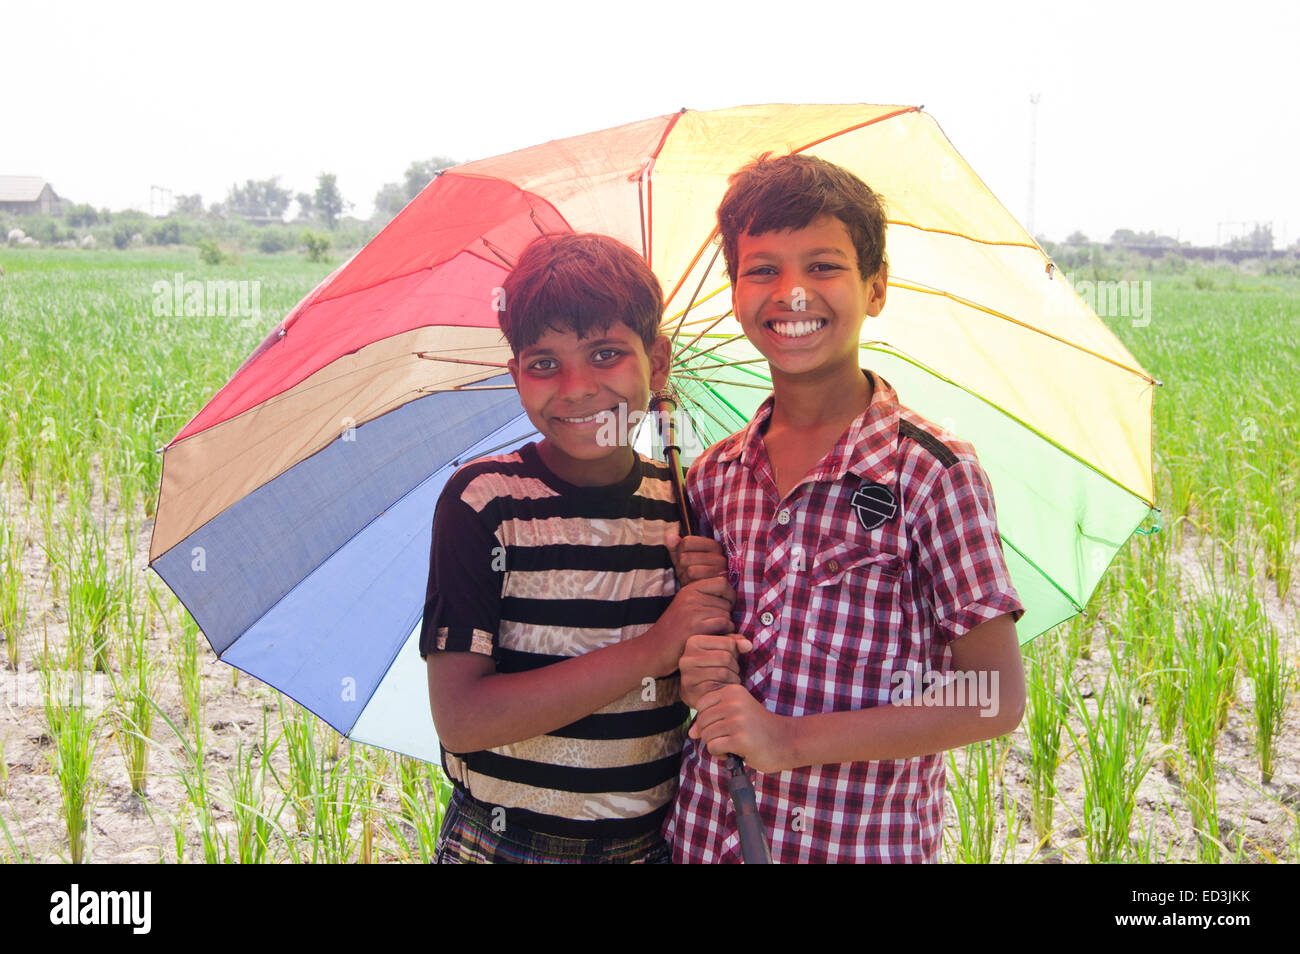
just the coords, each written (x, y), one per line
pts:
(599, 415)
(797, 329)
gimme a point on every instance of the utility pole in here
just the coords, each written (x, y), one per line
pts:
(160, 200)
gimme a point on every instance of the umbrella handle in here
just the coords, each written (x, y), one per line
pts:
(749, 824)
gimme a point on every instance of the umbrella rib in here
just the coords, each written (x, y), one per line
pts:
(739, 384)
(700, 407)
(1041, 572)
(721, 364)
(713, 324)
(695, 260)
(1028, 327)
(693, 321)
(711, 348)
(433, 389)
(848, 129)
(963, 235)
(466, 460)
(493, 249)
(696, 294)
(648, 229)
(430, 356)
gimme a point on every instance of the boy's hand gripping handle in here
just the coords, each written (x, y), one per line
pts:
(749, 824)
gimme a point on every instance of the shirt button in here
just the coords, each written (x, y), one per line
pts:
(783, 517)
(833, 566)
(767, 619)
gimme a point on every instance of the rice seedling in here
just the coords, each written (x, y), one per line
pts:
(328, 797)
(370, 784)
(1148, 847)
(1273, 680)
(299, 737)
(252, 825)
(1208, 663)
(13, 854)
(13, 591)
(339, 797)
(194, 777)
(1149, 593)
(1078, 638)
(1114, 758)
(975, 786)
(423, 793)
(1044, 718)
(1164, 686)
(94, 593)
(178, 834)
(74, 730)
(186, 663)
(133, 691)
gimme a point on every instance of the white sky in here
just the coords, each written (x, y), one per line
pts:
(1152, 116)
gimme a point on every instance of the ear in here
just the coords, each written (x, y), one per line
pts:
(877, 285)
(661, 354)
(513, 367)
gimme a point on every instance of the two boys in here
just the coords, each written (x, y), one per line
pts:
(861, 541)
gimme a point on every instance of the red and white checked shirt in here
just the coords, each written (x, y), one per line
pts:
(883, 554)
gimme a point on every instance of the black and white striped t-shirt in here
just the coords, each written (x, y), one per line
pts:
(531, 570)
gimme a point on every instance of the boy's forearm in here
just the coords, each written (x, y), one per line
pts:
(987, 678)
(893, 732)
(502, 708)
(731, 720)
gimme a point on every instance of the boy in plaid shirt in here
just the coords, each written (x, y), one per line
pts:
(875, 615)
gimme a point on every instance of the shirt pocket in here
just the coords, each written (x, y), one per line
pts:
(855, 604)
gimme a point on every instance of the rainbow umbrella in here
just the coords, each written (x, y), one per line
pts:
(295, 509)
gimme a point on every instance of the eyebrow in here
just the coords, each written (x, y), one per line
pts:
(535, 351)
(811, 253)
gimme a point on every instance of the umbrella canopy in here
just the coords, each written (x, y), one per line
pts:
(295, 510)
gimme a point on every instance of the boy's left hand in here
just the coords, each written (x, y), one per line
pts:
(731, 721)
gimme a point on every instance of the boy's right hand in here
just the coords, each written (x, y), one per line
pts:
(709, 662)
(695, 558)
(700, 607)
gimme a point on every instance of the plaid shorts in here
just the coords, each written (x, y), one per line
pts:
(468, 837)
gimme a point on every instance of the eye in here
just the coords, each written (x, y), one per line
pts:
(760, 271)
(825, 267)
(543, 365)
(606, 355)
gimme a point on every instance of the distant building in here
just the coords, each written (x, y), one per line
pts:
(28, 195)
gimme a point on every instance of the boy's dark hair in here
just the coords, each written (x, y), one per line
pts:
(788, 192)
(579, 282)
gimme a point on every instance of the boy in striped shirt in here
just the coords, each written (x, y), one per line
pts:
(553, 623)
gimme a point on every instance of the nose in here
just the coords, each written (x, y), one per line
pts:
(788, 293)
(577, 382)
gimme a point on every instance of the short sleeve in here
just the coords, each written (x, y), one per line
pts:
(462, 604)
(960, 563)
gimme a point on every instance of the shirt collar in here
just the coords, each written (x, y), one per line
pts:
(865, 449)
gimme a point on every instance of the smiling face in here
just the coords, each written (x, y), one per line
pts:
(800, 299)
(570, 387)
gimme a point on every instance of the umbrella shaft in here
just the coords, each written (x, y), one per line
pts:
(753, 841)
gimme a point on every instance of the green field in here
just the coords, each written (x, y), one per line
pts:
(1161, 724)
